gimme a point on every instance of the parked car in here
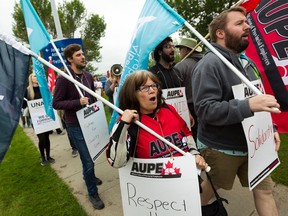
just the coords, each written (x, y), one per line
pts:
(103, 80)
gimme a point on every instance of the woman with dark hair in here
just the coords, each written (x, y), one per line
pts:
(141, 99)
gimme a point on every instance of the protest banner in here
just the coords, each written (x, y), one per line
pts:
(94, 127)
(258, 129)
(160, 187)
(177, 98)
(41, 121)
(268, 49)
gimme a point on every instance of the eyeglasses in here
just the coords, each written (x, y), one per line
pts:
(146, 88)
(169, 46)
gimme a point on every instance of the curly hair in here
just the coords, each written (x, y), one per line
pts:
(159, 47)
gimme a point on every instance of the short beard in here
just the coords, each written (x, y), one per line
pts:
(80, 67)
(234, 43)
(167, 58)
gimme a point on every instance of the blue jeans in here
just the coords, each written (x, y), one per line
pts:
(77, 138)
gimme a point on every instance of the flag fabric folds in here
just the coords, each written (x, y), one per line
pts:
(14, 69)
(157, 21)
(268, 49)
(250, 5)
(38, 38)
(51, 77)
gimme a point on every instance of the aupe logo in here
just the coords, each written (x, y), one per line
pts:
(90, 110)
(155, 170)
(174, 94)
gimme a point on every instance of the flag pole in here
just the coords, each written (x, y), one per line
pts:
(71, 79)
(60, 36)
(207, 35)
(56, 19)
(197, 45)
(223, 59)
(65, 66)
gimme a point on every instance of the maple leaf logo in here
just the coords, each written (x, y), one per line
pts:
(169, 169)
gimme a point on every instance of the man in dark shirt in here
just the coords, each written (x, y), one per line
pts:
(67, 98)
(186, 67)
(164, 69)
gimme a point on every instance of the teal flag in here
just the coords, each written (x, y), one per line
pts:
(157, 21)
(38, 38)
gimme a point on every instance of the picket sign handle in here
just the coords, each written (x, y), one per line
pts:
(108, 103)
(208, 35)
(223, 59)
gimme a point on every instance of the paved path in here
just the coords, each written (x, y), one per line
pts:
(69, 169)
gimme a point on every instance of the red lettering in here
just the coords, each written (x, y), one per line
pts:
(258, 139)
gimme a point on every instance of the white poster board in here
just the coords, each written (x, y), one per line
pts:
(262, 157)
(41, 121)
(115, 94)
(177, 98)
(98, 91)
(160, 187)
(93, 123)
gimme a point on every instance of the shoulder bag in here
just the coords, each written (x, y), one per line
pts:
(216, 208)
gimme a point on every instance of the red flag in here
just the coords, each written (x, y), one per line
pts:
(51, 76)
(250, 5)
(268, 49)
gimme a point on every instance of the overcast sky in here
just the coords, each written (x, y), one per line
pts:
(120, 16)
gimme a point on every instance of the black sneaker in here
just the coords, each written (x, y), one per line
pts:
(51, 160)
(98, 181)
(44, 162)
(96, 201)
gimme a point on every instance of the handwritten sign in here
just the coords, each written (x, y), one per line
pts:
(160, 187)
(94, 127)
(177, 98)
(262, 157)
(41, 121)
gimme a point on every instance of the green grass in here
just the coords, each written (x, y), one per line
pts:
(279, 175)
(108, 115)
(26, 188)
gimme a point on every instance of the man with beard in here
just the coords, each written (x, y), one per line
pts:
(67, 98)
(164, 67)
(221, 136)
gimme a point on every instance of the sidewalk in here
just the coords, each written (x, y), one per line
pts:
(70, 170)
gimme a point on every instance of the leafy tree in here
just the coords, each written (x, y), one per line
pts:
(71, 15)
(199, 13)
(91, 36)
(72, 19)
(43, 9)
